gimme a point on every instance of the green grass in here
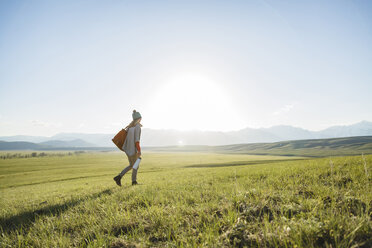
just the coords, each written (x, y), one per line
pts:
(186, 200)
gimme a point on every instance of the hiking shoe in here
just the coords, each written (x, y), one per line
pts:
(117, 179)
(134, 183)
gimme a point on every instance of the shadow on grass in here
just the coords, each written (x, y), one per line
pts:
(53, 181)
(25, 219)
(239, 163)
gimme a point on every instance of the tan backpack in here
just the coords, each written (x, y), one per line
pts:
(120, 137)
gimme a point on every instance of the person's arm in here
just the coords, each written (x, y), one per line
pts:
(138, 147)
(137, 137)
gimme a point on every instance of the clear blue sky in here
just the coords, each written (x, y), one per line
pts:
(83, 66)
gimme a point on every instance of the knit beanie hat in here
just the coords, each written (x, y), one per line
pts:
(136, 115)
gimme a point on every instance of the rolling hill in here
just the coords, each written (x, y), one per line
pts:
(21, 145)
(50, 145)
(307, 148)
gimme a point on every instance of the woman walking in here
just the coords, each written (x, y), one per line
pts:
(132, 147)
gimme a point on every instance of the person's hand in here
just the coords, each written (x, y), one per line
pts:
(138, 154)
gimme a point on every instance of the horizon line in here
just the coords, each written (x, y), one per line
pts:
(197, 130)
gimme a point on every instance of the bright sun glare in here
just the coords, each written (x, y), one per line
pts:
(193, 102)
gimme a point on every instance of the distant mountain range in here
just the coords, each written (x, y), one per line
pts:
(166, 137)
(70, 143)
(303, 148)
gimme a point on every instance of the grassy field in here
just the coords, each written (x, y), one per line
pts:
(186, 200)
